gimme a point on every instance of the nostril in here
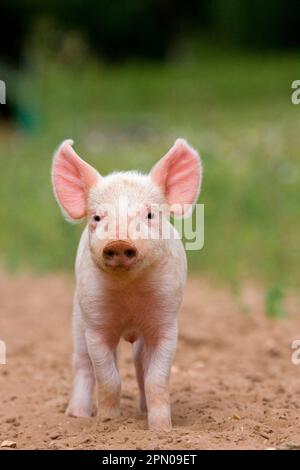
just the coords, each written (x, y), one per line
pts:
(130, 253)
(109, 254)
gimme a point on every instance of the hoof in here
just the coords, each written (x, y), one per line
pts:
(78, 412)
(108, 414)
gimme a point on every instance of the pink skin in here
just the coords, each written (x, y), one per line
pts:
(125, 288)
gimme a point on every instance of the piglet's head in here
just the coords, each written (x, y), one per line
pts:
(127, 212)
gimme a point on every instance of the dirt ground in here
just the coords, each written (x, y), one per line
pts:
(233, 383)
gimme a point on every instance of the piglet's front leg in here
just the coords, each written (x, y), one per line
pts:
(102, 350)
(157, 365)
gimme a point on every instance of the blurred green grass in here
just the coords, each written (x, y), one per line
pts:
(236, 110)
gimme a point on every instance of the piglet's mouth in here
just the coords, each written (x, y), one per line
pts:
(120, 267)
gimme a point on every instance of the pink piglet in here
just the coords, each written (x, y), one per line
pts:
(130, 274)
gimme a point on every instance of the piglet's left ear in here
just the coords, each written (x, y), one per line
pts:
(179, 174)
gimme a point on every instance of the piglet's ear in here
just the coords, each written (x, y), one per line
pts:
(178, 174)
(72, 178)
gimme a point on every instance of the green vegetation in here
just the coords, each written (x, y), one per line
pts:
(274, 303)
(236, 110)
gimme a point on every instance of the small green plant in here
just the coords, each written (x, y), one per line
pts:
(274, 307)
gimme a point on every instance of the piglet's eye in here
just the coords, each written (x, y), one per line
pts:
(150, 215)
(97, 218)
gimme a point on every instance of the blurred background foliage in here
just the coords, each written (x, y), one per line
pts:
(124, 79)
(150, 28)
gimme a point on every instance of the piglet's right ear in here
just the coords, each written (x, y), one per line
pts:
(72, 178)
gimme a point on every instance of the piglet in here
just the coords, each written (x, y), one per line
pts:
(130, 274)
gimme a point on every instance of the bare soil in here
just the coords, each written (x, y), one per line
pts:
(233, 383)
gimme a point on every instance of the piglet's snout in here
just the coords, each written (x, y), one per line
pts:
(120, 253)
